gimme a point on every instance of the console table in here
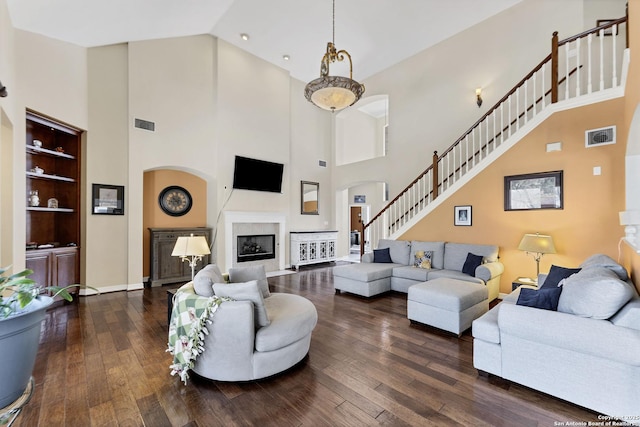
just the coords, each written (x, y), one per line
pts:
(170, 269)
(312, 247)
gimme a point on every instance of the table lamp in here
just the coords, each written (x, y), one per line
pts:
(537, 245)
(191, 249)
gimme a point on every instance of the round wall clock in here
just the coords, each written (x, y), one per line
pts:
(175, 200)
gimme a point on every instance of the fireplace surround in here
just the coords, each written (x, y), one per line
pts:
(241, 223)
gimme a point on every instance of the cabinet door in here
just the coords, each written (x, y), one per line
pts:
(63, 268)
(170, 266)
(40, 264)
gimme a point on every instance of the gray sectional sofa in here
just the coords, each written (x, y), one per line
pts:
(587, 352)
(447, 261)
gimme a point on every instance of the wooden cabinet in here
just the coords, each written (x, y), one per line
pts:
(165, 268)
(53, 217)
(311, 247)
(54, 267)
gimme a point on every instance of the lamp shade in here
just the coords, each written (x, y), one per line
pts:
(537, 243)
(191, 245)
(629, 217)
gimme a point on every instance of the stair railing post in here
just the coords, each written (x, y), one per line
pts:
(554, 68)
(435, 175)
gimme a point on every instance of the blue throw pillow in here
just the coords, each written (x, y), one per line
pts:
(556, 275)
(544, 298)
(472, 262)
(382, 255)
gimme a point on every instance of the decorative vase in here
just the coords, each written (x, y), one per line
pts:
(19, 339)
(34, 198)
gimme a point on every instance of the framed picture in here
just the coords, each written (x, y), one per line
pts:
(533, 191)
(462, 215)
(107, 199)
(359, 198)
(608, 31)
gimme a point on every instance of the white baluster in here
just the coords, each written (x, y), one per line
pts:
(601, 59)
(577, 67)
(589, 64)
(614, 78)
(566, 70)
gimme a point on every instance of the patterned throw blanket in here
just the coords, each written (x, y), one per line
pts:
(187, 329)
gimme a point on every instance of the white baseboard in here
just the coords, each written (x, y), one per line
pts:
(114, 288)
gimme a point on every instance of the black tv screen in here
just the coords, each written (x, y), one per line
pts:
(257, 175)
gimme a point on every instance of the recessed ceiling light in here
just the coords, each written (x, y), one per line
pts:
(286, 57)
(244, 36)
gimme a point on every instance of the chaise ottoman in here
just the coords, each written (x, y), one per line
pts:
(364, 279)
(448, 304)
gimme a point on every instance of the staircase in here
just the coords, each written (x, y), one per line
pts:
(586, 68)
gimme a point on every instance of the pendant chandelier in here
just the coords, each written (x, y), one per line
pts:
(333, 93)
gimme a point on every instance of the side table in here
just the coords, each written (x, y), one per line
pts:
(523, 281)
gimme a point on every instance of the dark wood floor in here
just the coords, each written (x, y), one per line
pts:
(102, 361)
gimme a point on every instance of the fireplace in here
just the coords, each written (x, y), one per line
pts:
(255, 247)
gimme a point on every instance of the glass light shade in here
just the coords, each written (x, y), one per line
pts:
(191, 245)
(537, 243)
(333, 93)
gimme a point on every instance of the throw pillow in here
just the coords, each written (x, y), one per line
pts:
(473, 261)
(557, 275)
(204, 280)
(422, 259)
(382, 255)
(247, 291)
(601, 260)
(245, 274)
(546, 299)
(595, 292)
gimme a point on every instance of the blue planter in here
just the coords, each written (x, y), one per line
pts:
(19, 339)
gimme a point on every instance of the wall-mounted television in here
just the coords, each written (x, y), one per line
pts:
(257, 175)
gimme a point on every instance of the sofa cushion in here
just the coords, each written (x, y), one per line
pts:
(248, 291)
(245, 274)
(398, 249)
(367, 272)
(412, 273)
(382, 256)
(422, 259)
(205, 278)
(595, 292)
(437, 249)
(544, 298)
(629, 315)
(556, 275)
(448, 294)
(292, 318)
(455, 254)
(453, 274)
(601, 260)
(472, 262)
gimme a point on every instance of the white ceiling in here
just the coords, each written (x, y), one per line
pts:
(377, 33)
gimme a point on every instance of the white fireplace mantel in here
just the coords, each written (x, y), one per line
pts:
(247, 217)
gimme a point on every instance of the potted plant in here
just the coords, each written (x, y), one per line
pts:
(22, 310)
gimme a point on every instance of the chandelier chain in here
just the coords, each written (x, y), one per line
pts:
(334, 22)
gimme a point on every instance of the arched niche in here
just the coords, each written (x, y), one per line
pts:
(361, 130)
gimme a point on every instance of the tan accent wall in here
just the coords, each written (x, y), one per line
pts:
(588, 223)
(154, 217)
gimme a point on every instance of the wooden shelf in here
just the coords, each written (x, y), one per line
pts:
(39, 209)
(40, 150)
(47, 176)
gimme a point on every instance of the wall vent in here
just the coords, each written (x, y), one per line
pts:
(145, 124)
(322, 163)
(601, 136)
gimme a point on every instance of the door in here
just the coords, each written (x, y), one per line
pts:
(356, 225)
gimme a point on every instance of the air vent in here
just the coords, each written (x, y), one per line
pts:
(602, 136)
(145, 124)
(322, 163)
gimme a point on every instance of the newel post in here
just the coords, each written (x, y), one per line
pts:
(554, 68)
(435, 175)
